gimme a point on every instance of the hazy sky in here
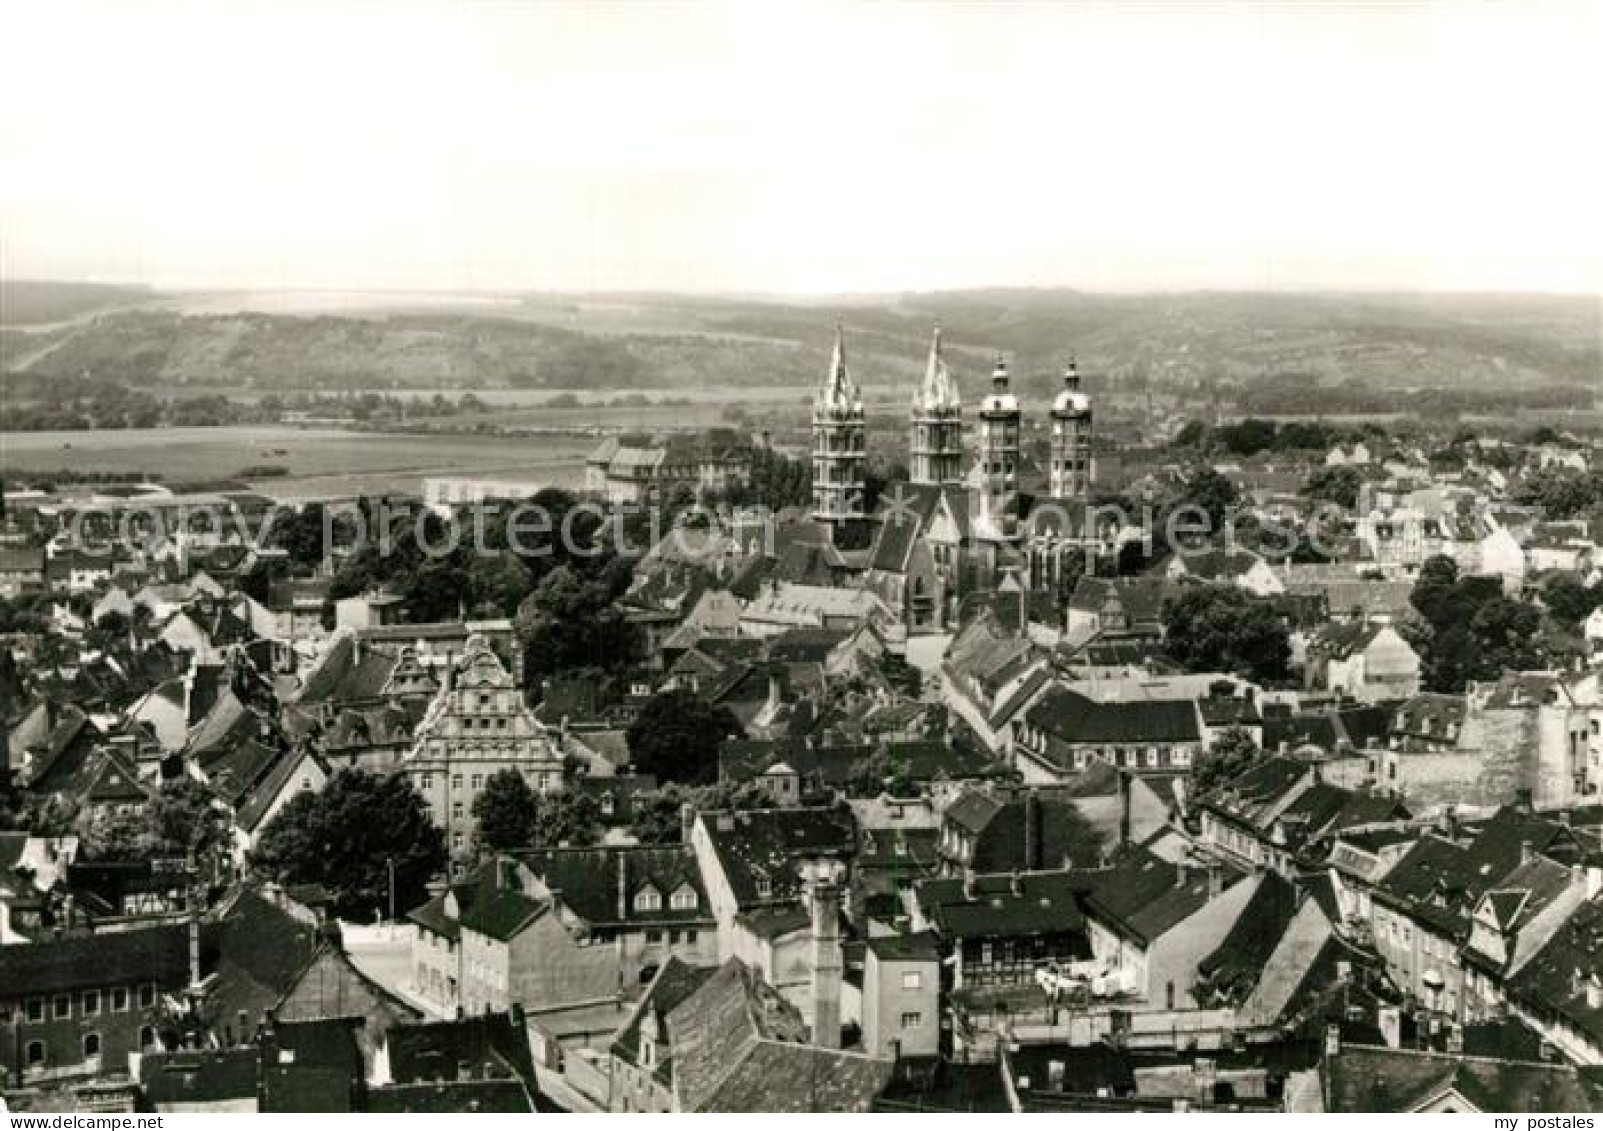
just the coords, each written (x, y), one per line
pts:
(815, 147)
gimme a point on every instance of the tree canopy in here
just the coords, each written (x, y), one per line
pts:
(677, 735)
(1222, 628)
(346, 837)
(1232, 753)
(504, 812)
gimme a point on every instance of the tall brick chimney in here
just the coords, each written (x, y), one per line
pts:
(821, 882)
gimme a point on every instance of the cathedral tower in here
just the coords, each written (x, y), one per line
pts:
(1072, 469)
(999, 455)
(937, 443)
(838, 451)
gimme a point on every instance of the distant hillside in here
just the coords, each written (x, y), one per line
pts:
(672, 341)
(26, 303)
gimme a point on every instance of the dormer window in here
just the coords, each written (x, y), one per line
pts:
(648, 899)
(765, 887)
(684, 898)
(607, 804)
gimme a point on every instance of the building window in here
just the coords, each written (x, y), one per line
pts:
(456, 781)
(36, 1052)
(648, 899)
(62, 1007)
(456, 841)
(684, 899)
(91, 1003)
(147, 1036)
(912, 980)
(36, 1009)
(91, 1045)
(478, 781)
(912, 1020)
(456, 810)
(690, 935)
(426, 782)
(653, 936)
(765, 887)
(147, 995)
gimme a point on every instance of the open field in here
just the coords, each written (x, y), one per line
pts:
(321, 462)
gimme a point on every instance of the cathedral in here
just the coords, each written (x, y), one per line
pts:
(952, 530)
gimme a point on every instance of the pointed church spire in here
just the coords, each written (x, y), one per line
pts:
(938, 392)
(839, 392)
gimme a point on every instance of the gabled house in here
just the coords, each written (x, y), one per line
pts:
(996, 931)
(1115, 606)
(1364, 660)
(1064, 732)
(648, 902)
(1424, 907)
(1242, 568)
(1375, 1079)
(1559, 991)
(1153, 922)
(640, 1062)
(1282, 815)
(989, 676)
(736, 1045)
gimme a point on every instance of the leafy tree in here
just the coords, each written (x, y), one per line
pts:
(1193, 434)
(1233, 752)
(1214, 493)
(1221, 628)
(185, 817)
(658, 815)
(1434, 589)
(345, 838)
(1339, 485)
(881, 773)
(1474, 631)
(504, 811)
(569, 622)
(1568, 601)
(497, 583)
(570, 819)
(676, 737)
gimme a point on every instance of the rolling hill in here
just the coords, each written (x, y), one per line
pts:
(675, 341)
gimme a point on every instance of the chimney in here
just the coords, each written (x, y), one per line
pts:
(1522, 800)
(1527, 852)
(194, 934)
(1216, 882)
(1032, 831)
(1332, 1040)
(1015, 884)
(623, 887)
(821, 885)
(1594, 991)
(968, 883)
(687, 822)
(1124, 808)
